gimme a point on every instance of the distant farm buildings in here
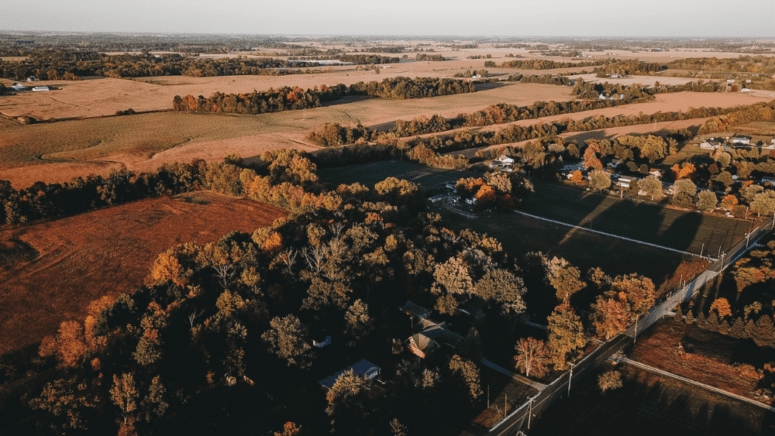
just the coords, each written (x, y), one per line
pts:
(18, 87)
(712, 143)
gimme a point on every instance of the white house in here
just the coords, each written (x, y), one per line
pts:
(40, 88)
(745, 90)
(741, 139)
(471, 200)
(507, 169)
(18, 87)
(711, 144)
(32, 79)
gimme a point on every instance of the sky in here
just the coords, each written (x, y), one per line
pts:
(677, 18)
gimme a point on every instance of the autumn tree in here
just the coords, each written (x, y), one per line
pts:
(464, 375)
(288, 338)
(764, 331)
(651, 186)
(564, 277)
(728, 202)
(683, 192)
(69, 345)
(707, 201)
(565, 334)
(290, 429)
(599, 180)
(577, 177)
(722, 308)
(532, 357)
(124, 394)
(349, 403)
(358, 324)
(609, 380)
(637, 291)
(764, 203)
(612, 316)
(69, 404)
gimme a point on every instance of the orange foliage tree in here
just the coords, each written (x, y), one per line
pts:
(578, 177)
(721, 306)
(612, 316)
(69, 346)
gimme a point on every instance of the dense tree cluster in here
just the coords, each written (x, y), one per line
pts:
(279, 178)
(295, 98)
(545, 79)
(546, 64)
(428, 57)
(55, 65)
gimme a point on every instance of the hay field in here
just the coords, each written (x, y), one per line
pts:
(105, 96)
(49, 272)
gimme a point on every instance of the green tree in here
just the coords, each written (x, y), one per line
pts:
(357, 323)
(599, 180)
(707, 201)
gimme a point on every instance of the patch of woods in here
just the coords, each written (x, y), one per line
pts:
(65, 65)
(278, 178)
(238, 316)
(546, 64)
(295, 98)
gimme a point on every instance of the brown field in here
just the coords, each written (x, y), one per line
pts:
(707, 358)
(52, 270)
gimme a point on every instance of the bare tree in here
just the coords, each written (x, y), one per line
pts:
(193, 316)
(225, 273)
(288, 256)
(315, 257)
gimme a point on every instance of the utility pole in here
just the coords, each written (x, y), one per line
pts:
(747, 239)
(635, 339)
(529, 412)
(488, 396)
(570, 379)
(702, 249)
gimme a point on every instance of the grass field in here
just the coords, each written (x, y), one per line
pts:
(49, 272)
(370, 173)
(648, 222)
(649, 405)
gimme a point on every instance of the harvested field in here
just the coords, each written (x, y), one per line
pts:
(105, 96)
(648, 222)
(648, 405)
(51, 271)
(708, 356)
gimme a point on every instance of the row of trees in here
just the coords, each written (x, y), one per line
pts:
(282, 178)
(295, 98)
(546, 64)
(56, 65)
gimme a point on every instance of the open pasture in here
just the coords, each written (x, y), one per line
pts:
(51, 271)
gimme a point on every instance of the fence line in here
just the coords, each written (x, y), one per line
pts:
(611, 235)
(516, 420)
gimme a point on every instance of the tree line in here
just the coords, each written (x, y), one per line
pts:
(54, 65)
(296, 98)
(546, 64)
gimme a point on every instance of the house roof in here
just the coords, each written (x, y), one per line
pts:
(364, 368)
(440, 334)
(415, 309)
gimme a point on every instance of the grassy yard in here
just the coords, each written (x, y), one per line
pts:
(370, 173)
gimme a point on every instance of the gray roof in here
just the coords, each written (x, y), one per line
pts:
(415, 309)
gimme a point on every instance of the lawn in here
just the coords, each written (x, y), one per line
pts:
(370, 173)
(693, 232)
(649, 405)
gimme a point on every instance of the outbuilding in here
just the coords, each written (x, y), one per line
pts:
(40, 88)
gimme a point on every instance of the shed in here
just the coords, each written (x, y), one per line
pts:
(18, 87)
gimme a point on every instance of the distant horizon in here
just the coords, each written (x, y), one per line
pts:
(377, 35)
(499, 18)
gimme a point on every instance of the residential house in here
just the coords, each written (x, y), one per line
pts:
(712, 143)
(437, 198)
(625, 181)
(505, 160)
(507, 169)
(363, 368)
(32, 79)
(741, 140)
(18, 87)
(766, 179)
(431, 337)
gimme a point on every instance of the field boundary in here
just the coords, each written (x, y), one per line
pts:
(612, 235)
(643, 366)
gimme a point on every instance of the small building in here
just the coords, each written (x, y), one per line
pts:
(766, 179)
(363, 368)
(471, 201)
(32, 79)
(712, 143)
(432, 337)
(741, 139)
(450, 185)
(18, 87)
(507, 169)
(437, 198)
(730, 80)
(745, 90)
(655, 172)
(625, 181)
(40, 88)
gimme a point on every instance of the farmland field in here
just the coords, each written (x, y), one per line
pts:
(50, 271)
(648, 405)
